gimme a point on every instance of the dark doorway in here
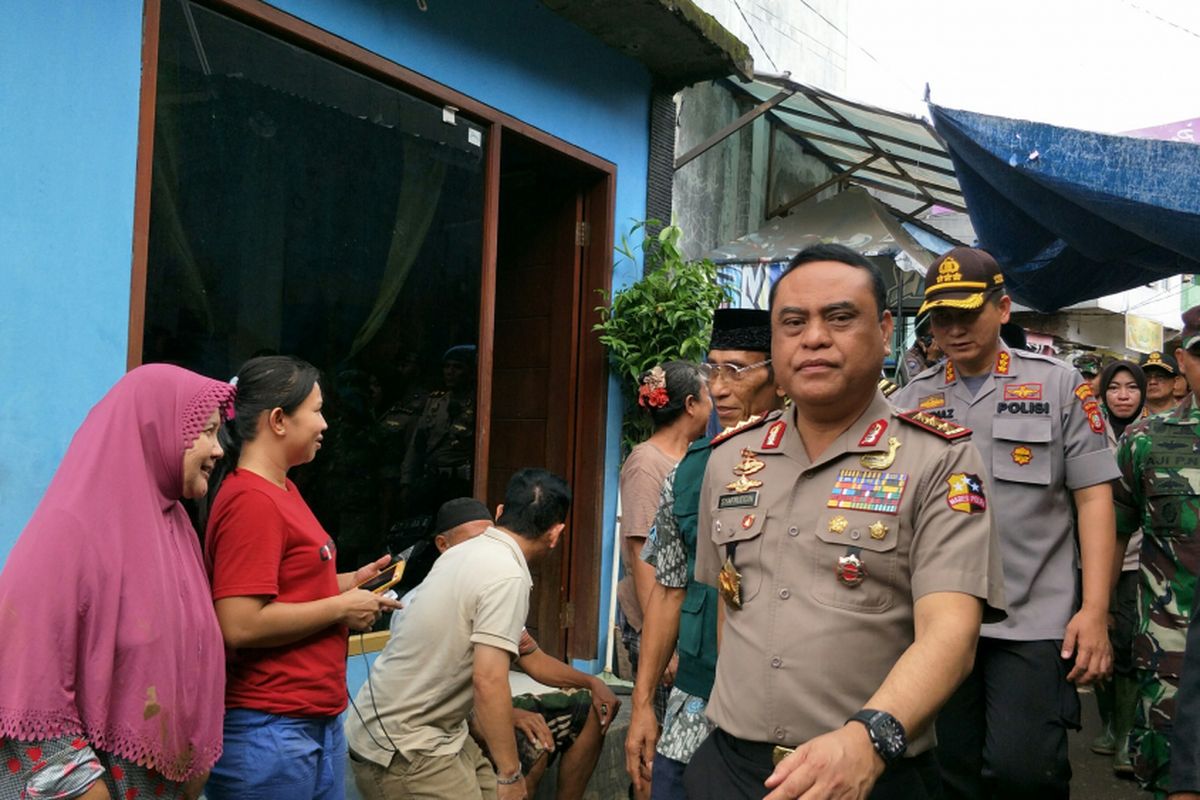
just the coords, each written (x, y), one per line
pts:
(541, 311)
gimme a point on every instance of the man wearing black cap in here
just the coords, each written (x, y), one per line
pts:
(569, 724)
(1159, 492)
(742, 385)
(408, 736)
(1041, 433)
(1161, 371)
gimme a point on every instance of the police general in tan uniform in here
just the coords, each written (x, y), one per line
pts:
(854, 550)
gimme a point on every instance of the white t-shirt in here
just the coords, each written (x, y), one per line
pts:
(419, 690)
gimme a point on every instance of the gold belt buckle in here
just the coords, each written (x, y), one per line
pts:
(780, 753)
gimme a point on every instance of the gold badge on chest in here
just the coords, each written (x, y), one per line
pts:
(749, 465)
(743, 484)
(881, 459)
(729, 584)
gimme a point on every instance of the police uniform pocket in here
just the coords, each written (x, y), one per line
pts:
(1021, 449)
(1172, 503)
(855, 560)
(741, 532)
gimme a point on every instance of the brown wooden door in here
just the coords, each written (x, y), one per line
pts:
(533, 389)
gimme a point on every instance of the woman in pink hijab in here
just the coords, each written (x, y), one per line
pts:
(113, 664)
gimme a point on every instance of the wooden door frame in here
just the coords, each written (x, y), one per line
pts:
(587, 478)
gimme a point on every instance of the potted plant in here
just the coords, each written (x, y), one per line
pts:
(667, 315)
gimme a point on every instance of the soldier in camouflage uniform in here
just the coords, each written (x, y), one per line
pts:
(1159, 491)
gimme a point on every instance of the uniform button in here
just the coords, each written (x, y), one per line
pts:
(855, 534)
(793, 531)
(785, 594)
(717, 526)
(776, 662)
(779, 734)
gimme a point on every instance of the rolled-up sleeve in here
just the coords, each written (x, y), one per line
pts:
(1088, 460)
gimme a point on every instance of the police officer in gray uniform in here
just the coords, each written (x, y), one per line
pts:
(854, 551)
(1041, 433)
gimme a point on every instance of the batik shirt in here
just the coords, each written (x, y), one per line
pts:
(685, 725)
(1159, 491)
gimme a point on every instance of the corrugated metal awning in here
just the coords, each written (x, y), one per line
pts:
(892, 153)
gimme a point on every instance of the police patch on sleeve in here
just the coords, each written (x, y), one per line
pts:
(965, 493)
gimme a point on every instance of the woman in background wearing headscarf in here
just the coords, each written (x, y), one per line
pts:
(1123, 395)
(113, 664)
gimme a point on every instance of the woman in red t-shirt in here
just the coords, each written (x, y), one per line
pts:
(283, 608)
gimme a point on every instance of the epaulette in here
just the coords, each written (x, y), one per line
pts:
(934, 424)
(734, 430)
(888, 387)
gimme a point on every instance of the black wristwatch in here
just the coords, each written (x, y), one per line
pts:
(887, 734)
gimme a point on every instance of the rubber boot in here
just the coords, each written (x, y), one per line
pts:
(1106, 743)
(1125, 702)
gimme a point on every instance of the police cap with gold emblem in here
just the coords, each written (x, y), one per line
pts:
(962, 278)
(1160, 361)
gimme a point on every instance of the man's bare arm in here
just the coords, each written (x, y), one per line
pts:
(493, 707)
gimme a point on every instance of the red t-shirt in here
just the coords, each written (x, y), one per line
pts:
(264, 540)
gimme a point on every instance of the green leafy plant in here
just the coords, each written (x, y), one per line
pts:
(667, 315)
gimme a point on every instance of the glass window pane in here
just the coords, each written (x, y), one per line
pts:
(300, 207)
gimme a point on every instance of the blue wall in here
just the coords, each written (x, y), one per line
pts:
(68, 144)
(68, 139)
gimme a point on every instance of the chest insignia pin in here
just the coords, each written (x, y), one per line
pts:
(878, 530)
(743, 484)
(881, 460)
(838, 524)
(851, 571)
(729, 584)
(748, 465)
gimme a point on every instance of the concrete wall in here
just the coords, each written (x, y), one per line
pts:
(723, 194)
(806, 39)
(68, 139)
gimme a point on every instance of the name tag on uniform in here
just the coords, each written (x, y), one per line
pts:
(740, 500)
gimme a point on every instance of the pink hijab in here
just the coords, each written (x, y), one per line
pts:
(108, 625)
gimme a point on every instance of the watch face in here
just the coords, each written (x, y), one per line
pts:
(890, 735)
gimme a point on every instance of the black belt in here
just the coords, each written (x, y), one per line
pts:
(761, 753)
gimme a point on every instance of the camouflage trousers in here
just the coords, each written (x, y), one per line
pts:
(1150, 738)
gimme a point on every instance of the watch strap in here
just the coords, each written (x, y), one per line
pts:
(871, 719)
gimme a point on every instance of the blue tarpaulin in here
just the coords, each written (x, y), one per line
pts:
(1073, 215)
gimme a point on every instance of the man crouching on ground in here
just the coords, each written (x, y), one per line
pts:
(408, 737)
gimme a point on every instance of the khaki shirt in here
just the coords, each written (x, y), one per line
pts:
(807, 650)
(420, 687)
(1041, 434)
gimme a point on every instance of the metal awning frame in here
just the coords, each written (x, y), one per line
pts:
(852, 151)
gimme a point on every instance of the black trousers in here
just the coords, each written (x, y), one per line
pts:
(1003, 734)
(728, 768)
